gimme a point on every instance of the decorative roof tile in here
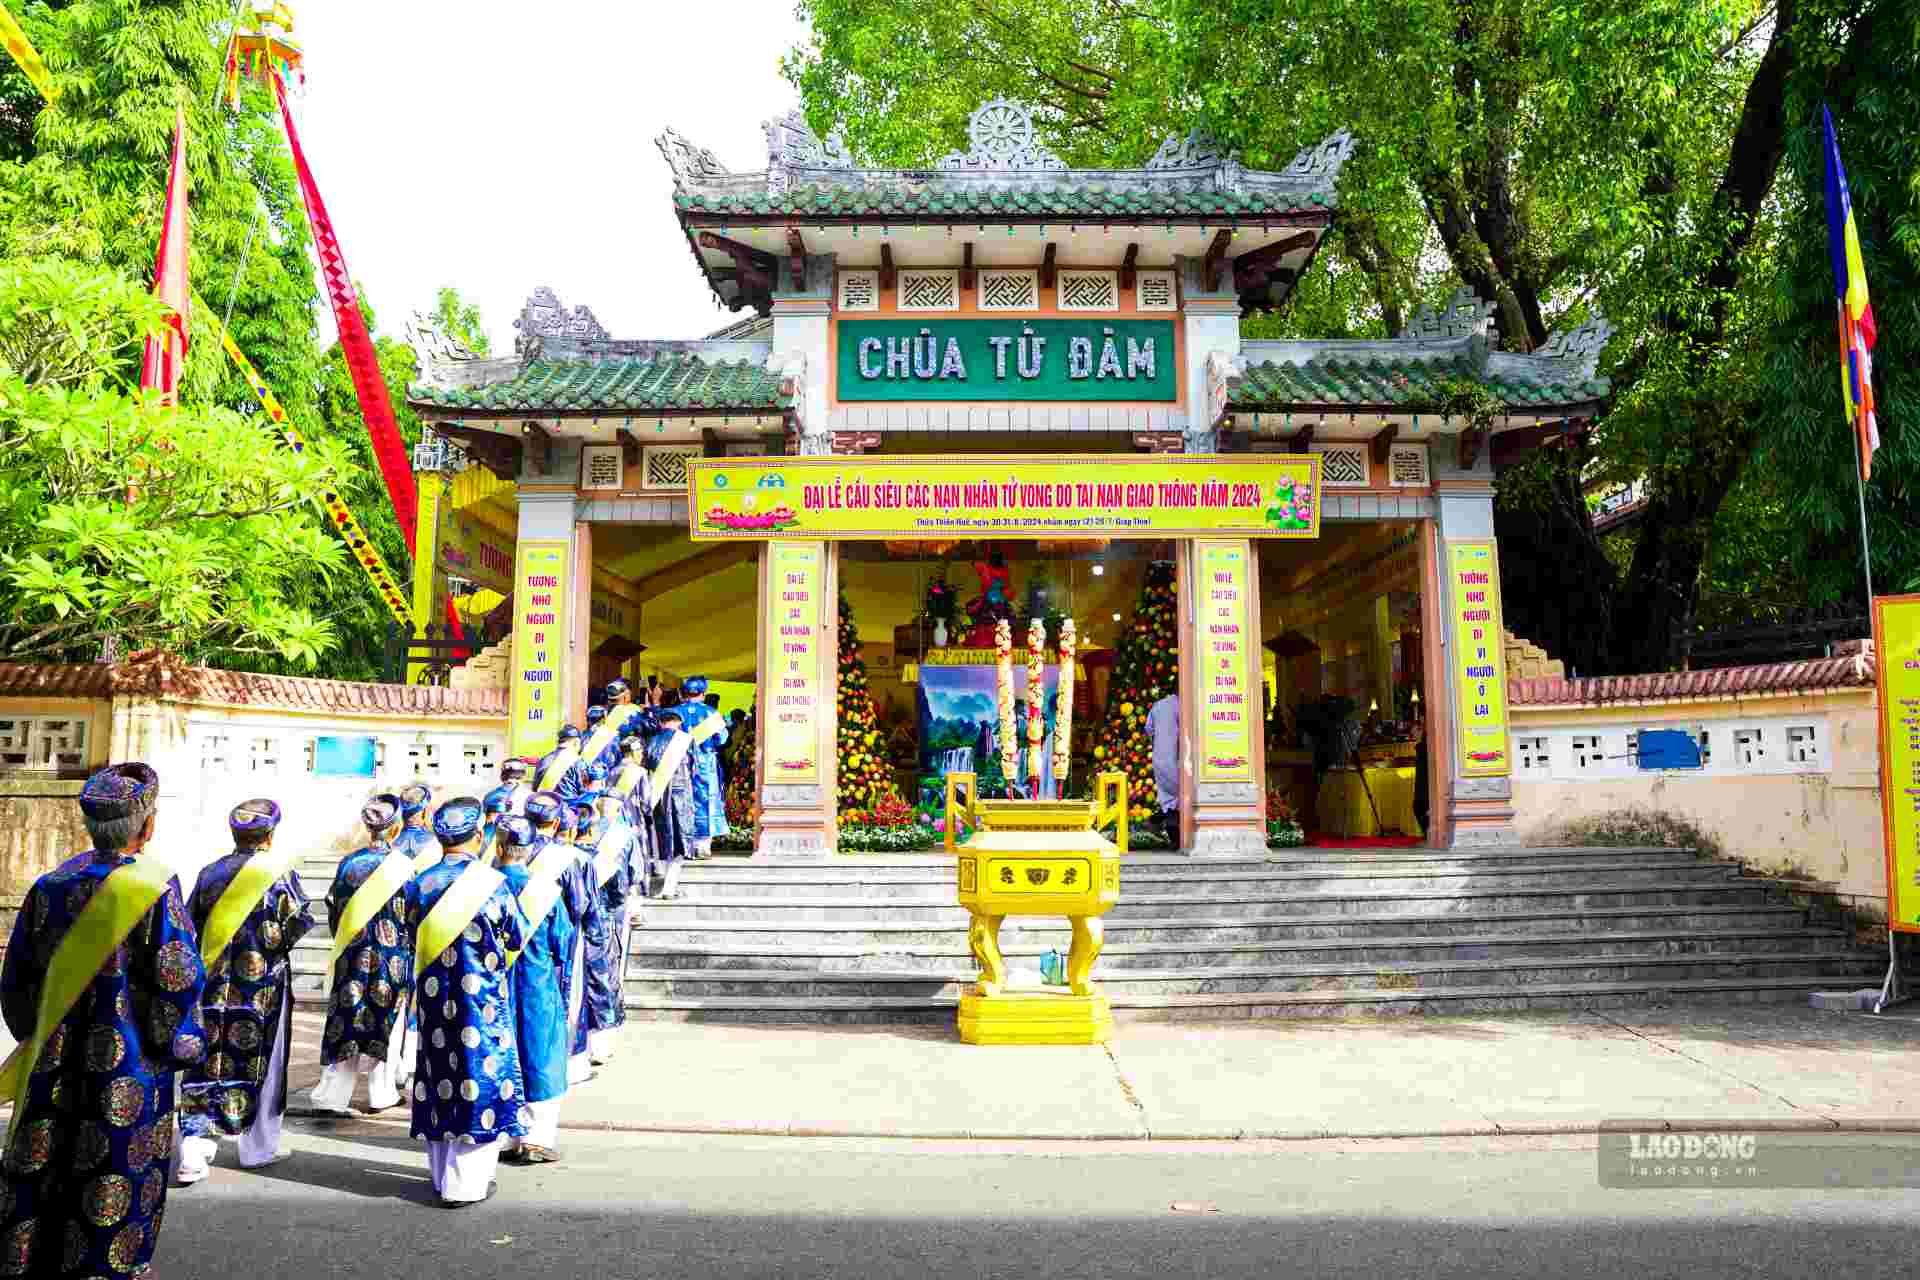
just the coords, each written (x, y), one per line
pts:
(1387, 374)
(903, 197)
(659, 382)
(1847, 671)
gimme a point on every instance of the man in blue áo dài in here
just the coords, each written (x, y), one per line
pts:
(631, 783)
(668, 758)
(101, 985)
(492, 809)
(514, 775)
(561, 770)
(537, 872)
(595, 930)
(708, 729)
(371, 909)
(416, 838)
(553, 824)
(612, 842)
(468, 1089)
(250, 912)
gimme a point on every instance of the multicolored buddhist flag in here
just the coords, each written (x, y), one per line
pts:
(1856, 313)
(167, 350)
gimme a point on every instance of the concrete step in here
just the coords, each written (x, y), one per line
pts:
(882, 932)
(1124, 958)
(939, 1010)
(1139, 883)
(655, 985)
(1584, 896)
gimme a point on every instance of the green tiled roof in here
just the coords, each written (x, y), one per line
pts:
(614, 386)
(1351, 380)
(1087, 202)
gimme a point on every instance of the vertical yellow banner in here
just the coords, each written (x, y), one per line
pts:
(1479, 659)
(791, 662)
(1896, 644)
(1220, 609)
(540, 634)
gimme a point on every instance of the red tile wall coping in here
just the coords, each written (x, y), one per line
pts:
(1852, 668)
(164, 676)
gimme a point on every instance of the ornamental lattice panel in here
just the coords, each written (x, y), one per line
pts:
(1009, 290)
(859, 291)
(1089, 291)
(43, 742)
(1154, 291)
(1407, 466)
(664, 466)
(1343, 466)
(929, 290)
(602, 467)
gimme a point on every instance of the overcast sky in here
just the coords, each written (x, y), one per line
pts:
(498, 147)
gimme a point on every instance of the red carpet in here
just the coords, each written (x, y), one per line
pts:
(1363, 842)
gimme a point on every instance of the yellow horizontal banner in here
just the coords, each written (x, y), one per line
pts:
(1036, 496)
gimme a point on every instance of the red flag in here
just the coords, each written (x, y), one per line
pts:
(376, 406)
(165, 351)
(456, 631)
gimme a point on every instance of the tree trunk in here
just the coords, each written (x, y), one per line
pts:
(1556, 584)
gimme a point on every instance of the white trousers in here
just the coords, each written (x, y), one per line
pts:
(543, 1123)
(259, 1141)
(462, 1168)
(337, 1079)
(579, 1065)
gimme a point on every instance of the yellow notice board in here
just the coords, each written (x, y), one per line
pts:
(1479, 663)
(540, 637)
(1896, 643)
(1037, 496)
(790, 669)
(1224, 692)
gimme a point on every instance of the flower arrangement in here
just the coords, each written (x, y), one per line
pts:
(942, 602)
(1063, 718)
(1003, 679)
(1283, 828)
(1036, 702)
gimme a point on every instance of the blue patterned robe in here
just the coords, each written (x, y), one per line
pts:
(540, 982)
(591, 914)
(86, 1173)
(606, 950)
(572, 783)
(703, 764)
(374, 978)
(467, 1080)
(672, 817)
(246, 1000)
(414, 841)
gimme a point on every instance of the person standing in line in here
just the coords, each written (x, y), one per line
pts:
(371, 908)
(595, 932)
(538, 881)
(251, 912)
(101, 985)
(553, 824)
(1163, 726)
(416, 839)
(708, 729)
(613, 850)
(514, 779)
(562, 770)
(493, 807)
(672, 781)
(468, 1088)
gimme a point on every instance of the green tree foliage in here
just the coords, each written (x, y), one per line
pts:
(459, 319)
(85, 182)
(130, 521)
(1550, 153)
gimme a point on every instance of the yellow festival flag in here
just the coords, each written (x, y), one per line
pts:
(27, 56)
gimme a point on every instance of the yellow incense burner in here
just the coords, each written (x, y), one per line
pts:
(1036, 858)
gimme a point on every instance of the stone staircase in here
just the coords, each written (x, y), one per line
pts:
(1300, 933)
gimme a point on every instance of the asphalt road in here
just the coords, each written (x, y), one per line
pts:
(356, 1203)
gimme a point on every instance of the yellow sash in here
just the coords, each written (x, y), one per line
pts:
(374, 893)
(606, 858)
(243, 894)
(117, 907)
(542, 890)
(630, 775)
(669, 762)
(608, 733)
(568, 757)
(454, 912)
(709, 725)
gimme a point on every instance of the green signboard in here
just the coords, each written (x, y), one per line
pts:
(1011, 359)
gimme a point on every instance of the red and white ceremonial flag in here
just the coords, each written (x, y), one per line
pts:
(166, 351)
